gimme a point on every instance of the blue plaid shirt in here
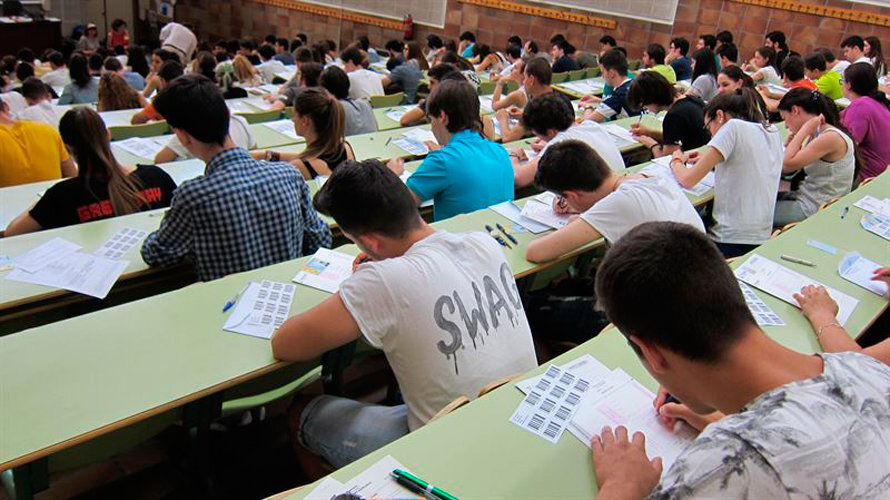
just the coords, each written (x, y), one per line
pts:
(240, 215)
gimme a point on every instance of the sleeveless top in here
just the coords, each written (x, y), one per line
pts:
(827, 179)
(332, 159)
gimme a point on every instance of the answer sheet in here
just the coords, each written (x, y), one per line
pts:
(416, 148)
(283, 127)
(79, 272)
(877, 224)
(544, 214)
(857, 269)
(620, 136)
(143, 147)
(375, 482)
(511, 211)
(874, 205)
(45, 254)
(763, 314)
(586, 367)
(395, 114)
(782, 283)
(326, 270)
(261, 308)
(662, 167)
(486, 104)
(120, 243)
(549, 405)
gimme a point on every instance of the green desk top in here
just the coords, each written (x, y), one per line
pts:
(574, 93)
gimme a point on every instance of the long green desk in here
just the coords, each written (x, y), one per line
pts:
(574, 94)
(476, 452)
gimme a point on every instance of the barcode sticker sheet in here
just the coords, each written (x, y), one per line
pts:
(549, 406)
(121, 242)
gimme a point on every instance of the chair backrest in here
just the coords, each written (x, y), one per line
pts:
(153, 129)
(829, 203)
(289, 112)
(450, 407)
(262, 116)
(633, 64)
(497, 383)
(593, 72)
(578, 74)
(382, 101)
(777, 232)
(560, 77)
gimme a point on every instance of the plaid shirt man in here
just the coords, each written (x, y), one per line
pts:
(241, 215)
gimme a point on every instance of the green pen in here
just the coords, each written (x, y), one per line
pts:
(417, 485)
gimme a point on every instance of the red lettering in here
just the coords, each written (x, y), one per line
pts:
(152, 195)
(83, 213)
(107, 208)
(95, 210)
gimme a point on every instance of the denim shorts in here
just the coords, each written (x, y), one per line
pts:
(343, 430)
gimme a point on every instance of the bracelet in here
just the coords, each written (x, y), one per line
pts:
(823, 327)
(652, 147)
(273, 156)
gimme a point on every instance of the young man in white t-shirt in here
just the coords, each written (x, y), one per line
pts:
(609, 204)
(363, 83)
(239, 132)
(443, 307)
(40, 106)
(796, 426)
(59, 76)
(853, 49)
(552, 121)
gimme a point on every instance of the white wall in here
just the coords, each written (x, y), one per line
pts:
(74, 12)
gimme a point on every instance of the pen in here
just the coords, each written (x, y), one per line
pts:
(497, 238)
(234, 299)
(418, 485)
(387, 141)
(508, 235)
(844, 213)
(797, 260)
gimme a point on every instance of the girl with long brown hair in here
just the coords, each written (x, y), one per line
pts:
(115, 93)
(318, 118)
(102, 189)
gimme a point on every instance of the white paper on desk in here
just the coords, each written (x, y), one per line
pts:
(877, 224)
(546, 198)
(43, 255)
(486, 103)
(857, 269)
(620, 135)
(763, 314)
(240, 107)
(143, 147)
(283, 127)
(269, 88)
(421, 135)
(874, 205)
(586, 367)
(120, 243)
(261, 104)
(497, 125)
(261, 308)
(544, 214)
(782, 283)
(376, 481)
(548, 407)
(509, 210)
(325, 270)
(327, 489)
(79, 272)
(411, 146)
(661, 166)
(777, 89)
(396, 114)
(630, 404)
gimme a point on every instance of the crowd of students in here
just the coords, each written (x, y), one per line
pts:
(252, 208)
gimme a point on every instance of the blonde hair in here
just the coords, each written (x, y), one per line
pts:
(244, 71)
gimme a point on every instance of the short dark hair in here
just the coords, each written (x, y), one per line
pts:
(650, 87)
(467, 35)
(24, 70)
(303, 37)
(557, 38)
(310, 72)
(656, 52)
(57, 58)
(117, 23)
(284, 43)
(271, 39)
(777, 37)
(27, 55)
(195, 104)
(539, 69)
(96, 61)
(459, 101)
(571, 166)
(694, 306)
(170, 71)
(826, 53)
(246, 44)
(304, 55)
(546, 112)
(120, 50)
(434, 42)
(266, 51)
(392, 46)
(614, 59)
(854, 41)
(514, 40)
(353, 55)
(724, 37)
(441, 70)
(514, 51)
(792, 68)
(112, 64)
(367, 197)
(729, 51)
(79, 70)
(608, 40)
(165, 55)
(335, 81)
(815, 61)
(682, 44)
(364, 42)
(33, 88)
(709, 40)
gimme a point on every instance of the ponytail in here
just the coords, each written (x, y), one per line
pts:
(328, 118)
(744, 104)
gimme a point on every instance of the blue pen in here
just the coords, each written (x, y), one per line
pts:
(234, 299)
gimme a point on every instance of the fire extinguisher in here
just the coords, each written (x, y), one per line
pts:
(408, 27)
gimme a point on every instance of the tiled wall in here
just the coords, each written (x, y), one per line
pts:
(243, 18)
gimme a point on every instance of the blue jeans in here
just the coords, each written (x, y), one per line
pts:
(343, 430)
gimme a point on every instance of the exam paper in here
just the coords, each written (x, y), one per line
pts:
(544, 214)
(857, 269)
(410, 145)
(421, 135)
(874, 205)
(486, 103)
(877, 224)
(662, 167)
(326, 270)
(327, 489)
(120, 243)
(763, 314)
(782, 283)
(143, 147)
(620, 136)
(586, 367)
(376, 482)
(240, 107)
(79, 272)
(45, 254)
(283, 127)
(396, 114)
(509, 210)
(548, 407)
(261, 308)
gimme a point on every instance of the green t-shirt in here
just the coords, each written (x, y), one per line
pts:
(665, 71)
(830, 84)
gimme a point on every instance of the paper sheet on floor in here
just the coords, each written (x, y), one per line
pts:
(782, 283)
(261, 308)
(325, 270)
(79, 272)
(857, 269)
(120, 243)
(45, 254)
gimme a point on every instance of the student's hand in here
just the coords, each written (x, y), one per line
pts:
(621, 465)
(397, 165)
(432, 145)
(514, 112)
(669, 413)
(502, 114)
(360, 259)
(818, 307)
(882, 274)
(810, 127)
(589, 100)
(270, 98)
(519, 154)
(641, 130)
(537, 145)
(258, 154)
(683, 157)
(645, 140)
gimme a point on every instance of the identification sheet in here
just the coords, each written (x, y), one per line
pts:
(621, 136)
(373, 482)
(283, 127)
(509, 210)
(762, 312)
(878, 224)
(662, 167)
(45, 254)
(857, 269)
(79, 272)
(395, 114)
(143, 147)
(261, 309)
(120, 243)
(549, 405)
(326, 270)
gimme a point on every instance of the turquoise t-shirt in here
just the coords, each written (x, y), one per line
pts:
(468, 51)
(468, 174)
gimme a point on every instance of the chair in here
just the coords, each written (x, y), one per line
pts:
(578, 74)
(289, 112)
(450, 407)
(497, 383)
(829, 203)
(777, 232)
(593, 72)
(560, 77)
(262, 116)
(153, 129)
(633, 64)
(384, 101)
(866, 181)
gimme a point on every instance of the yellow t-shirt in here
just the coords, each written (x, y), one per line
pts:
(30, 152)
(830, 85)
(665, 71)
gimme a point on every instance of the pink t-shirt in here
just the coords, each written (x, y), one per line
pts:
(868, 121)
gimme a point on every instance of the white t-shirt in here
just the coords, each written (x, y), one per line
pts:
(746, 181)
(824, 437)
(770, 75)
(269, 68)
(448, 316)
(840, 67)
(57, 77)
(636, 201)
(864, 59)
(364, 83)
(239, 131)
(594, 135)
(44, 112)
(15, 101)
